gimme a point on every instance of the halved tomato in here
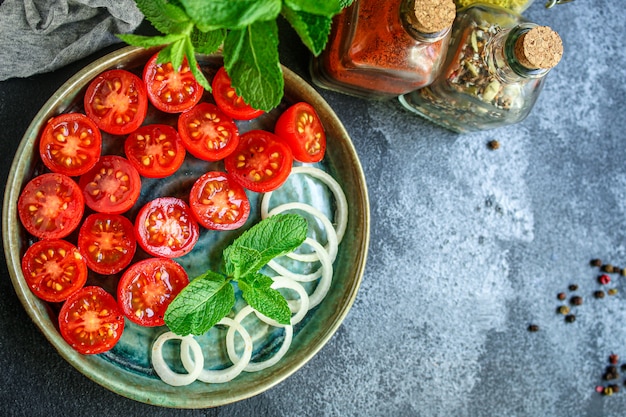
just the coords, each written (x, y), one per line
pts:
(70, 144)
(156, 150)
(112, 186)
(302, 129)
(90, 320)
(207, 132)
(54, 269)
(107, 242)
(148, 287)
(165, 227)
(116, 101)
(227, 99)
(169, 90)
(262, 161)
(51, 206)
(219, 202)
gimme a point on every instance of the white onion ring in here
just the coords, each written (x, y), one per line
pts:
(226, 374)
(256, 366)
(341, 215)
(331, 247)
(303, 305)
(325, 269)
(163, 370)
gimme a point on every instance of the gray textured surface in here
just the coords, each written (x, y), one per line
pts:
(468, 247)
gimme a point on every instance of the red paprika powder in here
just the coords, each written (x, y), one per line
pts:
(381, 49)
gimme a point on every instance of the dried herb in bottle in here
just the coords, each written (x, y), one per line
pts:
(494, 71)
(380, 49)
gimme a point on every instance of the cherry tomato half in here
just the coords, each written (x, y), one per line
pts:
(219, 202)
(227, 99)
(148, 287)
(51, 206)
(166, 227)
(302, 129)
(54, 269)
(169, 90)
(112, 186)
(70, 144)
(107, 242)
(116, 101)
(90, 320)
(207, 132)
(156, 150)
(262, 161)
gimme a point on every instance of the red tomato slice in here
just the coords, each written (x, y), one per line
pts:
(112, 186)
(90, 320)
(148, 287)
(262, 161)
(219, 202)
(227, 99)
(70, 144)
(207, 132)
(166, 227)
(54, 269)
(51, 206)
(302, 129)
(116, 101)
(156, 151)
(168, 90)
(107, 242)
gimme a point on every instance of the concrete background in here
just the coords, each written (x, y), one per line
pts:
(468, 247)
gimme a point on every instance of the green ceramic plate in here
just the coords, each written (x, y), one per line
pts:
(126, 369)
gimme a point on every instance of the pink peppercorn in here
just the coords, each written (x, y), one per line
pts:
(604, 279)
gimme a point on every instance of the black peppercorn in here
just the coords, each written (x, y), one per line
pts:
(576, 300)
(615, 388)
(596, 262)
(533, 328)
(493, 144)
(573, 287)
(611, 373)
(561, 296)
(598, 294)
(570, 318)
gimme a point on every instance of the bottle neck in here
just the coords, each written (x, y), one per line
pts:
(407, 17)
(502, 59)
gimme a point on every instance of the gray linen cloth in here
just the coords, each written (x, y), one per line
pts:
(39, 36)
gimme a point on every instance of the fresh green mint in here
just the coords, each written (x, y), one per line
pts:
(247, 30)
(211, 296)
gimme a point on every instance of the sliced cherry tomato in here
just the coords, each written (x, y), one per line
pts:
(219, 202)
(168, 90)
(54, 269)
(51, 206)
(207, 132)
(156, 151)
(112, 186)
(166, 227)
(90, 320)
(116, 101)
(70, 144)
(107, 242)
(262, 161)
(302, 128)
(227, 99)
(148, 287)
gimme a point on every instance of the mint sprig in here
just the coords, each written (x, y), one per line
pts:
(247, 29)
(211, 296)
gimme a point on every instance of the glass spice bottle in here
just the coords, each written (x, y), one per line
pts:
(379, 49)
(494, 71)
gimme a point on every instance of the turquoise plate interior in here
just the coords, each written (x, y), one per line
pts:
(126, 369)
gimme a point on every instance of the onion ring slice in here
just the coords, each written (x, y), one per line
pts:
(165, 372)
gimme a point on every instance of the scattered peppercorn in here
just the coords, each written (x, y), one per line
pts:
(613, 358)
(563, 310)
(598, 294)
(622, 272)
(573, 287)
(561, 296)
(576, 300)
(623, 367)
(493, 144)
(604, 279)
(615, 388)
(612, 291)
(600, 388)
(607, 268)
(570, 318)
(533, 328)
(596, 262)
(611, 373)
(607, 391)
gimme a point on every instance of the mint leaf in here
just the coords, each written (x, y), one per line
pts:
(255, 289)
(165, 16)
(207, 42)
(327, 8)
(174, 53)
(272, 237)
(193, 65)
(200, 305)
(346, 3)
(251, 61)
(148, 41)
(230, 14)
(313, 29)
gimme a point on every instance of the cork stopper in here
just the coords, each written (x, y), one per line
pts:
(539, 48)
(432, 16)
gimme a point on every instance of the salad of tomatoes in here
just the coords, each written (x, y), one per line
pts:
(86, 213)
